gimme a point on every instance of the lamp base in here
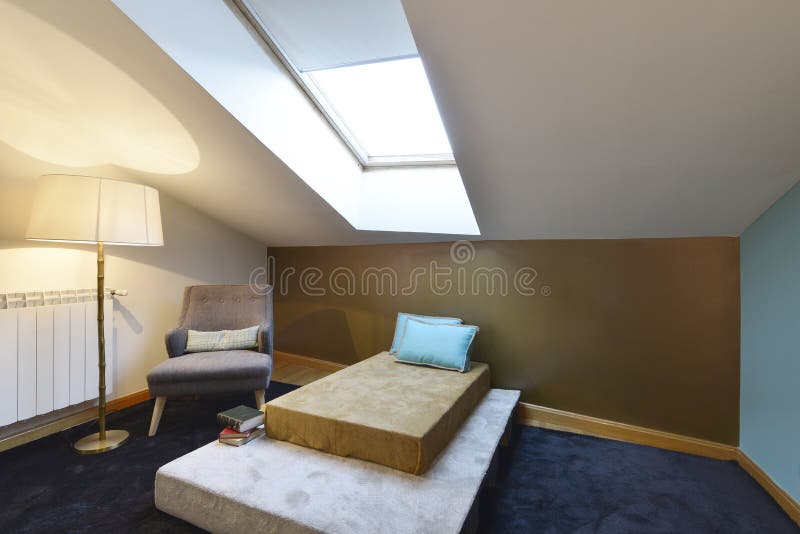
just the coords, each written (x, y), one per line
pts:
(93, 445)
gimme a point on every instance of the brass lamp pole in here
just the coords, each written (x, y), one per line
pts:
(85, 209)
(103, 440)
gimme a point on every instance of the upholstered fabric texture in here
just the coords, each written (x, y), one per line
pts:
(272, 486)
(210, 372)
(396, 415)
(446, 346)
(222, 307)
(198, 341)
(213, 309)
(401, 324)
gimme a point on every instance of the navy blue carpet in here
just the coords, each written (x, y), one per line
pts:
(549, 482)
(559, 482)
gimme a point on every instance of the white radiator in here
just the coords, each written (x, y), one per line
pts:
(48, 352)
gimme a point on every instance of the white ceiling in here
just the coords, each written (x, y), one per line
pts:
(237, 180)
(616, 118)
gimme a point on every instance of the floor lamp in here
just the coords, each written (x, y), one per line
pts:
(85, 209)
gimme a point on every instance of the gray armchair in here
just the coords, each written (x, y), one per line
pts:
(212, 308)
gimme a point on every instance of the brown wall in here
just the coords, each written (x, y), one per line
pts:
(642, 331)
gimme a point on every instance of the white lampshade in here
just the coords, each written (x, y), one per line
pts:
(85, 209)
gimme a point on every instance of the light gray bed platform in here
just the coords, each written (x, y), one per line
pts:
(272, 486)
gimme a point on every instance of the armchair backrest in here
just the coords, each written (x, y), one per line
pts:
(228, 307)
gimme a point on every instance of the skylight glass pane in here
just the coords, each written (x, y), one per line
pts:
(388, 107)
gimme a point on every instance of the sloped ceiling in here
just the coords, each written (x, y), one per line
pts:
(617, 118)
(236, 179)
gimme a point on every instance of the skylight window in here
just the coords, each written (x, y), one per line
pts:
(218, 48)
(386, 108)
(358, 63)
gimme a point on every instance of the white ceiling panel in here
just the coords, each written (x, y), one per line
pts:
(616, 118)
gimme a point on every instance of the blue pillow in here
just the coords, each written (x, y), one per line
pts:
(438, 345)
(401, 324)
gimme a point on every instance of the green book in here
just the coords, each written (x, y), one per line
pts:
(241, 419)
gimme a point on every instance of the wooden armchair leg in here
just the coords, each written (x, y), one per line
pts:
(260, 398)
(158, 409)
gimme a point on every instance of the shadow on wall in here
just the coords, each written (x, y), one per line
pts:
(128, 316)
(320, 332)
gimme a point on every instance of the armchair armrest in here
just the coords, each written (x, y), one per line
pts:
(265, 339)
(176, 342)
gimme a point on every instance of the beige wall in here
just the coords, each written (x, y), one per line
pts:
(642, 331)
(198, 250)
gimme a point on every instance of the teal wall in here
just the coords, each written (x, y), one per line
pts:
(770, 326)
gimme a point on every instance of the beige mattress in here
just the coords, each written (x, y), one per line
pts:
(394, 414)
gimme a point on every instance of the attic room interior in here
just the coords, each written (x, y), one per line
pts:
(399, 266)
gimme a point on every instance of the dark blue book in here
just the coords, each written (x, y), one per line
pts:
(241, 419)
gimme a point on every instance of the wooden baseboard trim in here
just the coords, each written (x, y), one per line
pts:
(533, 415)
(83, 416)
(784, 500)
(128, 400)
(540, 416)
(71, 420)
(314, 363)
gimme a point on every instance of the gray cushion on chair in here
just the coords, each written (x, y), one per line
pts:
(204, 373)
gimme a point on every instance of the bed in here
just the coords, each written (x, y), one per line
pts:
(270, 486)
(398, 415)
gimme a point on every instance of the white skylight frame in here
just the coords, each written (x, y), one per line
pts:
(216, 47)
(317, 96)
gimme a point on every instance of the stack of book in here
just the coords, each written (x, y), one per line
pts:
(240, 425)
